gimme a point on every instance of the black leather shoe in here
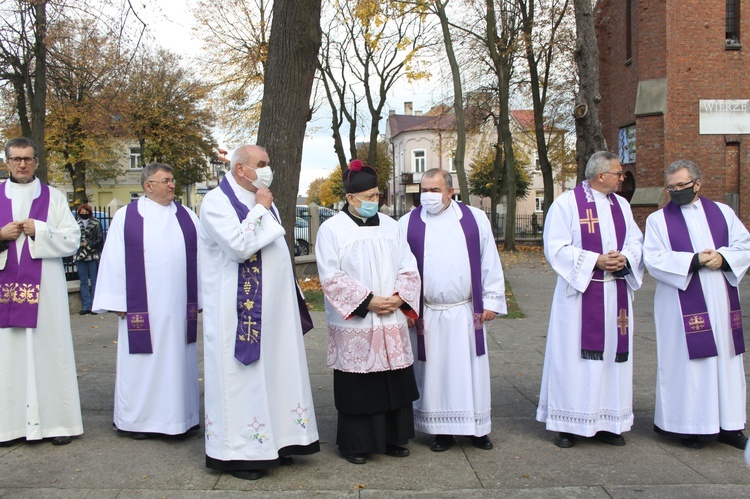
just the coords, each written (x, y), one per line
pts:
(84, 312)
(610, 438)
(247, 474)
(692, 442)
(61, 440)
(396, 450)
(483, 443)
(565, 440)
(734, 438)
(441, 443)
(286, 460)
(356, 458)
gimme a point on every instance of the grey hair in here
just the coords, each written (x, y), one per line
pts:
(21, 143)
(692, 169)
(152, 168)
(599, 162)
(240, 155)
(434, 172)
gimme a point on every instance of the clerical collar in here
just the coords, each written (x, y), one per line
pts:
(17, 182)
(373, 221)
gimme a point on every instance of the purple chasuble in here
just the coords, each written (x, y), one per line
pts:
(250, 294)
(20, 281)
(698, 331)
(415, 237)
(137, 316)
(592, 304)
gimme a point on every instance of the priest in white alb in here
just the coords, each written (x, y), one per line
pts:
(259, 406)
(698, 251)
(595, 247)
(38, 384)
(462, 288)
(371, 285)
(148, 276)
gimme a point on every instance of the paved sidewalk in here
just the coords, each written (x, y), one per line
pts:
(524, 462)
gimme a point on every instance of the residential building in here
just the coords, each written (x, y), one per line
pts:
(673, 81)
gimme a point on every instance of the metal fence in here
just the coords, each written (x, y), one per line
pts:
(527, 226)
(104, 215)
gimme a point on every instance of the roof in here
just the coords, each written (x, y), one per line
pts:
(440, 117)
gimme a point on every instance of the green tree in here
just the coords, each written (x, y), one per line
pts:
(332, 189)
(313, 191)
(483, 172)
(383, 164)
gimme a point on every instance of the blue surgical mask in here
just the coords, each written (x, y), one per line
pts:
(368, 208)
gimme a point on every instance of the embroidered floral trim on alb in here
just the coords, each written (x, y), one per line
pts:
(344, 293)
(408, 286)
(364, 350)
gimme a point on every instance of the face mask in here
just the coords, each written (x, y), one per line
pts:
(432, 202)
(84, 216)
(685, 196)
(368, 208)
(265, 177)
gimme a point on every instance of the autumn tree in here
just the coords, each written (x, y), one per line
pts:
(84, 71)
(165, 108)
(370, 46)
(313, 190)
(482, 176)
(235, 36)
(332, 189)
(542, 26)
(383, 164)
(289, 72)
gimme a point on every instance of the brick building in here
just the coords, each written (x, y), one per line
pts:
(674, 85)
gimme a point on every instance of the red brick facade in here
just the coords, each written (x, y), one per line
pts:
(682, 41)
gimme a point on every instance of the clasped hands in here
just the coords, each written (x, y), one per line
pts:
(710, 258)
(383, 305)
(611, 262)
(12, 230)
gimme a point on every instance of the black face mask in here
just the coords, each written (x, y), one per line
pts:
(84, 216)
(685, 196)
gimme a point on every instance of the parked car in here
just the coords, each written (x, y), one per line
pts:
(301, 237)
(324, 213)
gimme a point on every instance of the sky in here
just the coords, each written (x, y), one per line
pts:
(170, 23)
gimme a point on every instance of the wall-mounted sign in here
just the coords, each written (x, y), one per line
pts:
(724, 117)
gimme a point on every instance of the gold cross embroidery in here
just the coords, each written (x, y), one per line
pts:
(736, 319)
(589, 221)
(696, 322)
(137, 321)
(622, 322)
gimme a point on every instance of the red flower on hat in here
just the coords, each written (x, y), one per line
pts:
(356, 165)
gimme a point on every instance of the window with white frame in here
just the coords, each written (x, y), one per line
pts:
(419, 160)
(539, 201)
(452, 161)
(135, 158)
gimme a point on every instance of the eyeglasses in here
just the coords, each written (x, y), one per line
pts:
(17, 160)
(680, 186)
(166, 181)
(620, 174)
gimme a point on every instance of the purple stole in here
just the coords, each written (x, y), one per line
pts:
(139, 327)
(415, 238)
(697, 324)
(250, 294)
(592, 305)
(20, 281)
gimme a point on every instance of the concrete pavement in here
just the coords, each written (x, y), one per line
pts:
(524, 462)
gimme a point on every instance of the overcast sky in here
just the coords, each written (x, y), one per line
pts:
(170, 23)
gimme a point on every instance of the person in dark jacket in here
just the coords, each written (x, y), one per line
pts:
(87, 258)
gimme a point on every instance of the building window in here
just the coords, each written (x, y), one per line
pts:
(733, 24)
(539, 201)
(452, 162)
(419, 161)
(628, 31)
(626, 144)
(135, 158)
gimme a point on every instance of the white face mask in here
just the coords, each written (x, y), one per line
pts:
(432, 201)
(265, 177)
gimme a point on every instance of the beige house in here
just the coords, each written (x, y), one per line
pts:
(420, 141)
